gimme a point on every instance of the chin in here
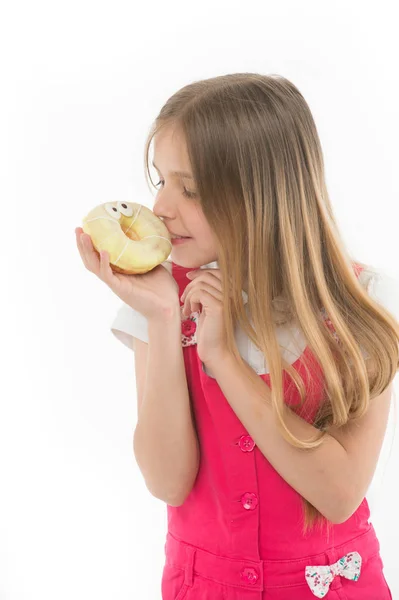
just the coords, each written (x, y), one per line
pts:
(190, 263)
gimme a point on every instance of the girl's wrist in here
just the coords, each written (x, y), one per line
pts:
(166, 314)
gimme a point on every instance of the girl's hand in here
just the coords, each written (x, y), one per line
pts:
(206, 290)
(152, 294)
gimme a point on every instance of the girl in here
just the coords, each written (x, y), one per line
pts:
(264, 355)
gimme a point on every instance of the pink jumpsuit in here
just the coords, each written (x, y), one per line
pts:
(238, 534)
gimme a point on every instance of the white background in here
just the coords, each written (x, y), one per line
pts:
(81, 83)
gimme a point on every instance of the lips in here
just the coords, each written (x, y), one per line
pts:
(173, 234)
(177, 241)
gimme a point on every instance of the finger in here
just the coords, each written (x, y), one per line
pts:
(207, 295)
(184, 294)
(213, 293)
(216, 275)
(216, 272)
(91, 255)
(206, 280)
(81, 247)
(106, 272)
(208, 299)
(214, 279)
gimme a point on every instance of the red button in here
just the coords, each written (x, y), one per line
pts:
(188, 327)
(249, 500)
(249, 575)
(246, 443)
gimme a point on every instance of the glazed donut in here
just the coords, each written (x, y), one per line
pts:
(136, 240)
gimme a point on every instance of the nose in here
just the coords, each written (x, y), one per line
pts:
(164, 207)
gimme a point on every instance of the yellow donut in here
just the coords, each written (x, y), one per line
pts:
(136, 240)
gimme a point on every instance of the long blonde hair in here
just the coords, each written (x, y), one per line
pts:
(258, 165)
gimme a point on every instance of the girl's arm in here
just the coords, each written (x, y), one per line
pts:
(165, 441)
(333, 477)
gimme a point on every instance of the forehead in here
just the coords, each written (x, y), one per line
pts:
(170, 153)
(169, 136)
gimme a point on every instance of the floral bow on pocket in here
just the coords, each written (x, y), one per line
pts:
(320, 577)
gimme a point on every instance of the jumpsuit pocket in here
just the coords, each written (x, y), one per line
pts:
(172, 583)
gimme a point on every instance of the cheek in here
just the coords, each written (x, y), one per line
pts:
(205, 233)
(200, 230)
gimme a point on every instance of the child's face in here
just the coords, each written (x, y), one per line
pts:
(181, 215)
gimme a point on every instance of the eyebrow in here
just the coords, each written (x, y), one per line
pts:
(180, 173)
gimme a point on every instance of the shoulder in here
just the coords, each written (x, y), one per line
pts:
(382, 287)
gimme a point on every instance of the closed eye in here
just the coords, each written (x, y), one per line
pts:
(185, 192)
